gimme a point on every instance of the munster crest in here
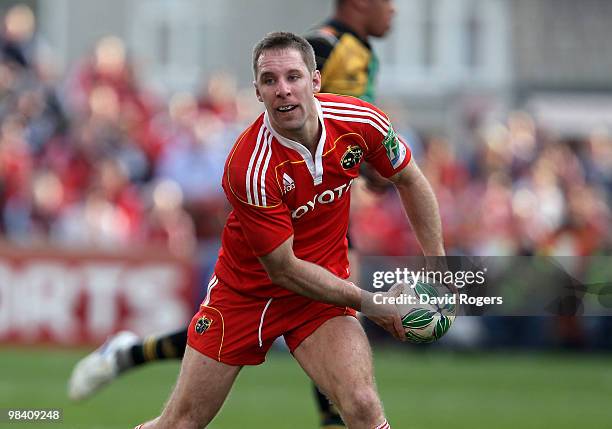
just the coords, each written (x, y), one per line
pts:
(351, 157)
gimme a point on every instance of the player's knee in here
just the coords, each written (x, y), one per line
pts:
(361, 405)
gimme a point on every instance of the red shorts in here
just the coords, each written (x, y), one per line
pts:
(239, 330)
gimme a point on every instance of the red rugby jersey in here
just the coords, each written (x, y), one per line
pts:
(277, 189)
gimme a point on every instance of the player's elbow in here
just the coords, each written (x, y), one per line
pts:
(290, 275)
(281, 275)
(280, 270)
(280, 264)
(410, 177)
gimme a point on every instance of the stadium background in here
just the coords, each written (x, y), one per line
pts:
(115, 119)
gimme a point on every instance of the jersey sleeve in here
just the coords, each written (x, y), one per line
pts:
(264, 218)
(387, 152)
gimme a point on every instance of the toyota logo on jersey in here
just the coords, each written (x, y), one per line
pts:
(325, 197)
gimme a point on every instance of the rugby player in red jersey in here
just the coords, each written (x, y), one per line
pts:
(348, 66)
(283, 260)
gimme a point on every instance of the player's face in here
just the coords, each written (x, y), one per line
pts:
(381, 14)
(286, 87)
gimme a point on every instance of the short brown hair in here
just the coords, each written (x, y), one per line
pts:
(284, 40)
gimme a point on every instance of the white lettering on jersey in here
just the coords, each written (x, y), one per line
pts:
(326, 197)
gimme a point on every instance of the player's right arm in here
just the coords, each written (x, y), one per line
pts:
(315, 282)
(308, 279)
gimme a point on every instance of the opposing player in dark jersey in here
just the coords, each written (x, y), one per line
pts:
(349, 66)
(345, 58)
(283, 262)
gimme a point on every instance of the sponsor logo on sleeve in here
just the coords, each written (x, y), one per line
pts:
(396, 151)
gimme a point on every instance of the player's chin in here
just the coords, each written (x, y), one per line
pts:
(382, 31)
(289, 122)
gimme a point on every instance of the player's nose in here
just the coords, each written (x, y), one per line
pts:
(283, 89)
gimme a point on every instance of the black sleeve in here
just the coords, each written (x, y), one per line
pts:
(322, 49)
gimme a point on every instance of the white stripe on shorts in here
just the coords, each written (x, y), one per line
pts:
(263, 314)
(213, 282)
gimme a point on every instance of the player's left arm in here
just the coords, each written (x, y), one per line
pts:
(421, 206)
(390, 155)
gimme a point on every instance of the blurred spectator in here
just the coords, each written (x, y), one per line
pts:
(219, 97)
(169, 223)
(17, 37)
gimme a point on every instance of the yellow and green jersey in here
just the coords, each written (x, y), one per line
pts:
(347, 63)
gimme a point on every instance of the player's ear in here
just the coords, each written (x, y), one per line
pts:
(316, 81)
(257, 94)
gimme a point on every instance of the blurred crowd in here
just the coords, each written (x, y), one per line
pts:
(512, 189)
(94, 159)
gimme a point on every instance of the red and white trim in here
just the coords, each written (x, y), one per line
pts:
(346, 106)
(383, 425)
(314, 165)
(258, 166)
(211, 284)
(261, 321)
(353, 113)
(383, 131)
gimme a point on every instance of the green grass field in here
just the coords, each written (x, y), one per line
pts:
(420, 390)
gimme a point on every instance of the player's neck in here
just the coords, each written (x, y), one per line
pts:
(311, 134)
(308, 135)
(353, 21)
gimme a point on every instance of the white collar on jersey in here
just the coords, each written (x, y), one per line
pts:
(316, 167)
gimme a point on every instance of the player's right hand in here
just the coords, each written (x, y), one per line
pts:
(385, 315)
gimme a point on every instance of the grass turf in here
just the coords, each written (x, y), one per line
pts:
(419, 390)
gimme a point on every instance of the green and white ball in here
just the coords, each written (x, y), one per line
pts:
(430, 314)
